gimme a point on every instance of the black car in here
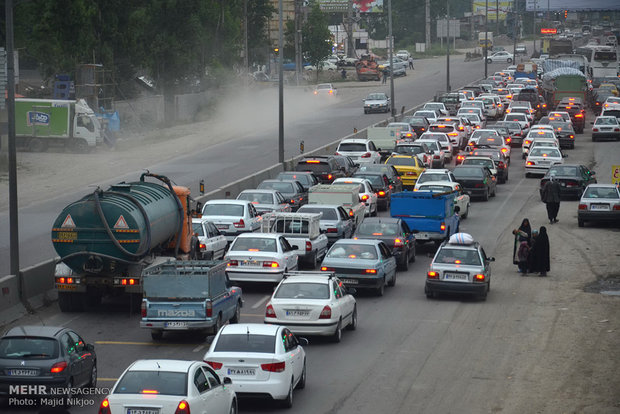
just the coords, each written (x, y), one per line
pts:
(396, 183)
(292, 190)
(326, 169)
(577, 115)
(573, 178)
(476, 180)
(395, 233)
(531, 95)
(381, 185)
(305, 178)
(418, 123)
(516, 132)
(565, 133)
(347, 163)
(598, 100)
(48, 358)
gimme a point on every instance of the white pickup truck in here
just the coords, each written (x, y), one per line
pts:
(302, 230)
(345, 195)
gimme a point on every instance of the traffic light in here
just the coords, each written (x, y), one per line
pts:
(565, 14)
(276, 51)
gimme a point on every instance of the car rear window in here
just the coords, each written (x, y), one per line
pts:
(378, 229)
(198, 229)
(254, 244)
(223, 210)
(458, 256)
(545, 152)
(418, 121)
(375, 180)
(352, 147)
(426, 177)
(263, 344)
(467, 172)
(328, 213)
(485, 163)
(352, 251)
(282, 187)
(600, 192)
(440, 188)
(302, 291)
(302, 178)
(257, 198)
(492, 141)
(152, 382)
(319, 167)
(441, 128)
(408, 149)
(402, 161)
(28, 348)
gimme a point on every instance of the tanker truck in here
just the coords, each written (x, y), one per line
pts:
(107, 238)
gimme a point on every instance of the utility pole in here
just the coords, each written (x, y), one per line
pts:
(297, 34)
(496, 18)
(486, 37)
(514, 31)
(280, 85)
(448, 47)
(534, 25)
(246, 58)
(350, 42)
(428, 24)
(391, 46)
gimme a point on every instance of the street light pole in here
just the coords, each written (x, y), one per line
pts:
(448, 47)
(391, 46)
(486, 38)
(246, 58)
(280, 85)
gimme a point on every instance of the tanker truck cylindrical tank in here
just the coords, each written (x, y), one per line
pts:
(106, 230)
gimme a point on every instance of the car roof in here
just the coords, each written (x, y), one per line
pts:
(262, 190)
(603, 185)
(307, 206)
(251, 328)
(355, 140)
(34, 330)
(315, 277)
(227, 201)
(171, 365)
(370, 242)
(258, 235)
(436, 171)
(443, 182)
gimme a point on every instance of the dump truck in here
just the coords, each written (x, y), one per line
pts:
(40, 123)
(107, 238)
(367, 68)
(564, 83)
(345, 195)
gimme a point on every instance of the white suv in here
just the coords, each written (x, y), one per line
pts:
(360, 150)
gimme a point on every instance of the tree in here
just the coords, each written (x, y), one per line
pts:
(316, 42)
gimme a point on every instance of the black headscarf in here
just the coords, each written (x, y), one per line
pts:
(541, 259)
(526, 228)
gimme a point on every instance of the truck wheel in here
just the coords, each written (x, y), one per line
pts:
(237, 315)
(218, 324)
(156, 335)
(37, 145)
(78, 145)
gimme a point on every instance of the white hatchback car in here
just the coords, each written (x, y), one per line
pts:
(367, 194)
(260, 257)
(170, 386)
(260, 359)
(313, 303)
(362, 151)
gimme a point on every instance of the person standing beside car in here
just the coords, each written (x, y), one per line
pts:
(410, 62)
(551, 197)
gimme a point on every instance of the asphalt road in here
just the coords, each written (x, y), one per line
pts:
(249, 145)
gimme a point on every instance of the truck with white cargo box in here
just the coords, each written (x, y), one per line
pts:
(345, 195)
(40, 123)
(384, 138)
(300, 229)
(188, 296)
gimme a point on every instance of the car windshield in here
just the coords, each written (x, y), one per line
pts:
(426, 177)
(315, 167)
(352, 147)
(254, 244)
(281, 186)
(376, 97)
(257, 198)
(152, 382)
(402, 161)
(606, 121)
(545, 152)
(601, 192)
(328, 213)
(477, 161)
(352, 251)
(378, 229)
(458, 256)
(302, 291)
(468, 172)
(223, 210)
(28, 348)
(246, 342)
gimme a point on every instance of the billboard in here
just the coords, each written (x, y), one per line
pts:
(342, 6)
(505, 6)
(571, 5)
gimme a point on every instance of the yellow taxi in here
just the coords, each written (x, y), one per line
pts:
(409, 168)
(610, 87)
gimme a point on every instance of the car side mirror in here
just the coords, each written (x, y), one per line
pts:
(564, 155)
(351, 291)
(303, 341)
(227, 381)
(90, 347)
(491, 259)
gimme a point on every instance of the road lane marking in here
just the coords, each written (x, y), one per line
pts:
(260, 302)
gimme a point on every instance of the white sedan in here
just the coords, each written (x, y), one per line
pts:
(540, 159)
(461, 199)
(312, 303)
(502, 56)
(260, 257)
(260, 359)
(212, 244)
(170, 386)
(367, 195)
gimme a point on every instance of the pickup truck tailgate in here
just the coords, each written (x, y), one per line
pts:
(164, 310)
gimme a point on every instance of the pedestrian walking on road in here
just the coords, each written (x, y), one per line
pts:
(386, 73)
(551, 197)
(540, 260)
(410, 62)
(523, 233)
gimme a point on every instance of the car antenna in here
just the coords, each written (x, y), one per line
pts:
(157, 362)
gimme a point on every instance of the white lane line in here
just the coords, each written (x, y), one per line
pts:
(198, 348)
(260, 302)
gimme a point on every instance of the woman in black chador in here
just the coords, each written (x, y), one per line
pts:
(540, 251)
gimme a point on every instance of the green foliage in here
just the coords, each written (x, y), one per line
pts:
(316, 37)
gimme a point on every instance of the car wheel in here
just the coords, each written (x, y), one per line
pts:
(494, 193)
(353, 325)
(381, 289)
(301, 384)
(485, 197)
(392, 281)
(92, 382)
(429, 293)
(374, 213)
(412, 258)
(233, 407)
(593, 139)
(464, 216)
(288, 401)
(365, 111)
(157, 334)
(218, 324)
(337, 336)
(509, 60)
(404, 264)
(237, 315)
(527, 175)
(483, 296)
(580, 222)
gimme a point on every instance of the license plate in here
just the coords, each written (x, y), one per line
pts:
(23, 372)
(242, 371)
(455, 276)
(66, 287)
(605, 129)
(350, 281)
(297, 313)
(604, 207)
(142, 411)
(67, 235)
(249, 263)
(544, 162)
(222, 226)
(422, 236)
(176, 324)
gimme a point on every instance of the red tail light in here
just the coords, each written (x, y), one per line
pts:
(232, 263)
(479, 277)
(364, 197)
(274, 367)
(270, 312)
(432, 275)
(214, 365)
(478, 185)
(351, 213)
(461, 128)
(182, 408)
(104, 408)
(594, 129)
(571, 183)
(332, 230)
(501, 165)
(308, 246)
(329, 176)
(579, 116)
(398, 243)
(327, 269)
(58, 367)
(209, 309)
(326, 313)
(239, 224)
(203, 246)
(381, 193)
(616, 207)
(508, 140)
(442, 227)
(583, 207)
(370, 271)
(367, 155)
(143, 309)
(530, 163)
(271, 264)
(336, 153)
(572, 137)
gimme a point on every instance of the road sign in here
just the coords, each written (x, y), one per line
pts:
(615, 174)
